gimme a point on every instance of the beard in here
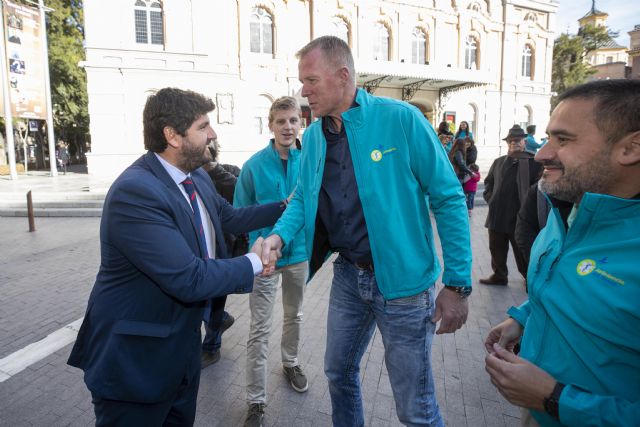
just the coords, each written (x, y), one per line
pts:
(593, 176)
(192, 156)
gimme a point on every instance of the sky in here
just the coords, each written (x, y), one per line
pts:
(623, 16)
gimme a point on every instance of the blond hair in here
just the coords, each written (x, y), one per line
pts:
(283, 103)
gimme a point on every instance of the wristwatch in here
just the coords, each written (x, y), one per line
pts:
(551, 402)
(463, 291)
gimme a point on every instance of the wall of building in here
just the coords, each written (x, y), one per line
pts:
(206, 49)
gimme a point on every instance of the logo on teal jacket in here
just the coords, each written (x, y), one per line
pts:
(588, 266)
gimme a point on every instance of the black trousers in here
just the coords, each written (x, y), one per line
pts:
(499, 248)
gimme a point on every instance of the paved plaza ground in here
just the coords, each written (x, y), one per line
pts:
(45, 280)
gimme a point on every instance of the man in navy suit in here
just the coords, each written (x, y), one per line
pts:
(163, 257)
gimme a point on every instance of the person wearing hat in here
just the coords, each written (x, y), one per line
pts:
(505, 189)
(530, 143)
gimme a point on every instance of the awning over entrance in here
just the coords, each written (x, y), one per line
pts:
(413, 77)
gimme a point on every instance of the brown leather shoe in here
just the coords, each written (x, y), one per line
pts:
(493, 280)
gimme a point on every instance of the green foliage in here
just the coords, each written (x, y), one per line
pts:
(569, 68)
(569, 53)
(65, 36)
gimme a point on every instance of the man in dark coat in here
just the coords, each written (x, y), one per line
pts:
(162, 259)
(505, 189)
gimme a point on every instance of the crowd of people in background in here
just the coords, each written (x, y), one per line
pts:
(463, 153)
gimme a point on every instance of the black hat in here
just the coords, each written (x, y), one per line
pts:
(515, 132)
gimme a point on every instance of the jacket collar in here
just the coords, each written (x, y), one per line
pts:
(355, 114)
(293, 152)
(160, 171)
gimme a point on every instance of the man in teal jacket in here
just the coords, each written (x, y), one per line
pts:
(366, 169)
(270, 175)
(580, 359)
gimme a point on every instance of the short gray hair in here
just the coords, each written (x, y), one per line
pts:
(334, 49)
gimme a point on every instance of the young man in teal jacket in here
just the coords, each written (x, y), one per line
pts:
(365, 170)
(270, 175)
(580, 359)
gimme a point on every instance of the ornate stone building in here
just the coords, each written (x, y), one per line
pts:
(484, 61)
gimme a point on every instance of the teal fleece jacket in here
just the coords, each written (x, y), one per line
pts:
(263, 180)
(582, 319)
(399, 164)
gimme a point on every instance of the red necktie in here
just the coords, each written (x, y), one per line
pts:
(191, 192)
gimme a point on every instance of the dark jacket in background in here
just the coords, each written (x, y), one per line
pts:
(532, 217)
(224, 178)
(501, 190)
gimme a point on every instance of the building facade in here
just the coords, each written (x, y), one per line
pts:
(484, 61)
(610, 60)
(634, 52)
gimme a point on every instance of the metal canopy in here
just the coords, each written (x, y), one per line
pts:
(410, 78)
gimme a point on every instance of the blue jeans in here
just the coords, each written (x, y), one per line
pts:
(356, 307)
(471, 197)
(213, 337)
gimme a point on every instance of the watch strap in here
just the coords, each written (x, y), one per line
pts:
(463, 291)
(551, 403)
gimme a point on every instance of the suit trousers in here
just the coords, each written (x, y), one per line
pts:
(499, 248)
(261, 301)
(177, 412)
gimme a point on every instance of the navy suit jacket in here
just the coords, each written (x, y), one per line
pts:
(140, 337)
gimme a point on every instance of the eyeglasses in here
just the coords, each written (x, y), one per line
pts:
(514, 141)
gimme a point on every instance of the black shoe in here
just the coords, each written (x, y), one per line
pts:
(297, 378)
(254, 415)
(494, 280)
(209, 358)
(227, 323)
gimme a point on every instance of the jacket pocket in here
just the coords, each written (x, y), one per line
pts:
(145, 329)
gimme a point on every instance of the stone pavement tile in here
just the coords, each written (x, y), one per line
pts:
(56, 290)
(321, 420)
(377, 422)
(492, 413)
(383, 407)
(474, 416)
(456, 420)
(511, 421)
(471, 396)
(49, 274)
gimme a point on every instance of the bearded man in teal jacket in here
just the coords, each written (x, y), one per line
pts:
(580, 359)
(366, 171)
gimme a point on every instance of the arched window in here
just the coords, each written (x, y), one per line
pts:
(469, 114)
(341, 29)
(381, 42)
(261, 31)
(148, 19)
(418, 46)
(527, 61)
(471, 54)
(531, 18)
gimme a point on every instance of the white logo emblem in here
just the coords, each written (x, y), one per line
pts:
(586, 266)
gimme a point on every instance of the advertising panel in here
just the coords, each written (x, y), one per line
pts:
(24, 59)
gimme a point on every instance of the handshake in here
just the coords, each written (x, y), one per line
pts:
(269, 251)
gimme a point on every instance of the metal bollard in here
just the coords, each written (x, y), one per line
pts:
(32, 221)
